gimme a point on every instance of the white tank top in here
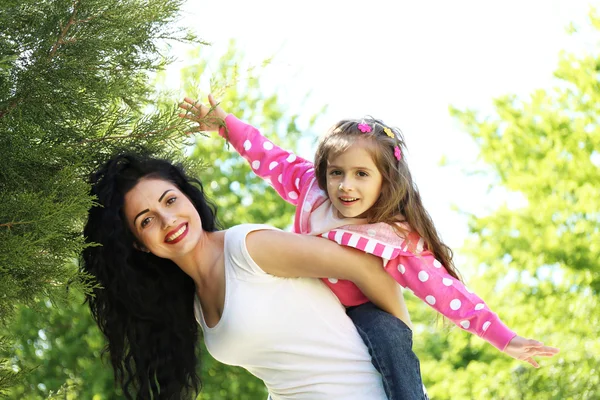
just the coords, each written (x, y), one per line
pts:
(292, 333)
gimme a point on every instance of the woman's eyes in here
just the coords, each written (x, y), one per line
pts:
(147, 220)
(362, 173)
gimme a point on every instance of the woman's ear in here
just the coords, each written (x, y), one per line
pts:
(140, 247)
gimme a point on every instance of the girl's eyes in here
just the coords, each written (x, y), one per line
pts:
(362, 174)
(171, 200)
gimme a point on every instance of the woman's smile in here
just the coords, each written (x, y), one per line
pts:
(177, 234)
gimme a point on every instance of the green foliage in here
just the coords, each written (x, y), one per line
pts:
(61, 345)
(538, 261)
(73, 81)
(73, 89)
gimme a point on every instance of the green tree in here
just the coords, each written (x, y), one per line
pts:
(73, 81)
(63, 347)
(62, 344)
(538, 263)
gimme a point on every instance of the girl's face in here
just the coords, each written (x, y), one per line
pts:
(162, 218)
(353, 182)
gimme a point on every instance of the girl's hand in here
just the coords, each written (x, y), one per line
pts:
(525, 349)
(209, 118)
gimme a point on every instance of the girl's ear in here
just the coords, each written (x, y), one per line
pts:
(384, 185)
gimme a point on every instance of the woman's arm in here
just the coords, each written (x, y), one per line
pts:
(292, 255)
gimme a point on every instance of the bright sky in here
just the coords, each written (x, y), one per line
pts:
(403, 62)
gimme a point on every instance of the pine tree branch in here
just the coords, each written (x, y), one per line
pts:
(128, 136)
(11, 224)
(64, 30)
(60, 41)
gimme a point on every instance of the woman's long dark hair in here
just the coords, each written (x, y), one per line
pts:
(145, 306)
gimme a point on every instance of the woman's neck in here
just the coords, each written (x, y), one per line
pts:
(200, 262)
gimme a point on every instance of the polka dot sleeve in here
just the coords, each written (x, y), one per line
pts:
(284, 171)
(428, 280)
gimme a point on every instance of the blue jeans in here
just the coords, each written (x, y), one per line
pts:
(389, 341)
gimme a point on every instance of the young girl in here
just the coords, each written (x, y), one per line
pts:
(360, 193)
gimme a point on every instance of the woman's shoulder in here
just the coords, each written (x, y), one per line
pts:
(236, 235)
(244, 229)
(236, 249)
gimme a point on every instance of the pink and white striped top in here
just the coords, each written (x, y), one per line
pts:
(406, 259)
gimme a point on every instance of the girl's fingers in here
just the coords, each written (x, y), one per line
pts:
(194, 130)
(188, 107)
(198, 112)
(188, 116)
(545, 353)
(194, 106)
(191, 117)
(196, 117)
(211, 100)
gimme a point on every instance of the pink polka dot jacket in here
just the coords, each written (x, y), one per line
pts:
(406, 259)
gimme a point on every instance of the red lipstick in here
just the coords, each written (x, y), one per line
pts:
(180, 237)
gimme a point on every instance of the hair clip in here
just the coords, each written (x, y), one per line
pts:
(397, 153)
(364, 128)
(389, 132)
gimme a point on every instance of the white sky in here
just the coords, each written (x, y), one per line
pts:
(403, 62)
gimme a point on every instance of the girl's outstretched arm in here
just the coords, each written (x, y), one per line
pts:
(524, 349)
(283, 170)
(429, 280)
(292, 255)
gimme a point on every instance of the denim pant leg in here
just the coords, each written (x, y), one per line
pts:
(389, 341)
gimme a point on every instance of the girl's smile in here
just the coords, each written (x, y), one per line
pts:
(353, 182)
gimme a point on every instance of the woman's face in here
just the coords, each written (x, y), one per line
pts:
(162, 218)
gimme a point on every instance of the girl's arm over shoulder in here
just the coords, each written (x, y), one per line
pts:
(291, 255)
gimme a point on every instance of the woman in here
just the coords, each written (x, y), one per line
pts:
(163, 262)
